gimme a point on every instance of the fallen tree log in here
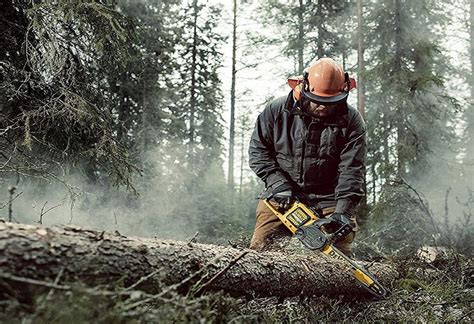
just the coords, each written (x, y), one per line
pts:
(94, 257)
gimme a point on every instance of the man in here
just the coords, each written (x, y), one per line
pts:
(310, 143)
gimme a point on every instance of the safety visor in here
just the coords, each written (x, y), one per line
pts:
(324, 100)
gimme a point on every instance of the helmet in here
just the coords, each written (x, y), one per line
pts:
(324, 82)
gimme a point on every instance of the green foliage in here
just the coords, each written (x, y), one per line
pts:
(402, 221)
(53, 112)
(199, 85)
(398, 223)
(409, 111)
(308, 29)
(190, 152)
(142, 92)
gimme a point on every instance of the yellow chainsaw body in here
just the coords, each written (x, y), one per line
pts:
(296, 216)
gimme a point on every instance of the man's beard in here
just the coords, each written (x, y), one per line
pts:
(319, 111)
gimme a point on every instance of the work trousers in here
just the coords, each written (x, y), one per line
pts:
(271, 234)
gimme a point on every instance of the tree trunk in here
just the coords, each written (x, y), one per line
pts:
(230, 181)
(361, 86)
(319, 27)
(36, 252)
(192, 102)
(400, 124)
(470, 108)
(300, 37)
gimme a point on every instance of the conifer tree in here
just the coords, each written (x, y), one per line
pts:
(409, 114)
(409, 107)
(194, 173)
(307, 29)
(144, 90)
(199, 85)
(61, 50)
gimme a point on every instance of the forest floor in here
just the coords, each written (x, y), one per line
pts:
(440, 291)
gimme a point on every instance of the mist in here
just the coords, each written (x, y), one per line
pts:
(146, 156)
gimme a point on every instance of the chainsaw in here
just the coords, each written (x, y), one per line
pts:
(308, 227)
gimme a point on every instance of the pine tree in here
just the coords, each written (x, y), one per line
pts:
(195, 154)
(409, 107)
(144, 90)
(199, 85)
(409, 114)
(309, 30)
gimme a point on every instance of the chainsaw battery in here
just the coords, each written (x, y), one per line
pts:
(298, 217)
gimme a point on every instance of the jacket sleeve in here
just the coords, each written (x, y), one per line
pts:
(262, 156)
(350, 187)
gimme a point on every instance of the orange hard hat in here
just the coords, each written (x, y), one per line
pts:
(324, 82)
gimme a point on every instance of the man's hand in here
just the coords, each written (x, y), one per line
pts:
(340, 224)
(284, 195)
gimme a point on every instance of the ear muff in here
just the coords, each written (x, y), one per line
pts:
(295, 83)
(350, 82)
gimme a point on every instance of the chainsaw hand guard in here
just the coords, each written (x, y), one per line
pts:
(312, 237)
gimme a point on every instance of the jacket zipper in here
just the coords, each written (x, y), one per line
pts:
(305, 137)
(302, 162)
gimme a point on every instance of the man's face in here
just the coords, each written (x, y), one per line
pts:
(319, 110)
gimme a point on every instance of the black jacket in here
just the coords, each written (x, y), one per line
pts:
(324, 157)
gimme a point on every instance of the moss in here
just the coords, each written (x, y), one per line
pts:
(410, 284)
(438, 290)
(423, 295)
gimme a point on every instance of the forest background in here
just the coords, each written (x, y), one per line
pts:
(136, 115)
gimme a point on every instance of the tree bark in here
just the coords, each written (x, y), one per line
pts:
(320, 50)
(361, 88)
(37, 252)
(230, 172)
(300, 37)
(469, 114)
(192, 102)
